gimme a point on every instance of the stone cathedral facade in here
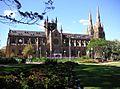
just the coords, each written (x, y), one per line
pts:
(53, 42)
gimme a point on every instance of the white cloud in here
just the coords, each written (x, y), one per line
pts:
(9, 13)
(84, 21)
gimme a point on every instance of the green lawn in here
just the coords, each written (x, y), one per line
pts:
(98, 75)
(90, 75)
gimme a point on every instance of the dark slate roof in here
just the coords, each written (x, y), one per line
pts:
(76, 36)
(42, 34)
(26, 33)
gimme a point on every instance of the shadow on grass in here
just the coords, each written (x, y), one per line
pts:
(98, 75)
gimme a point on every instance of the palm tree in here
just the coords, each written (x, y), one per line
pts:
(28, 50)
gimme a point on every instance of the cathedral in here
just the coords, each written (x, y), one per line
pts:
(53, 42)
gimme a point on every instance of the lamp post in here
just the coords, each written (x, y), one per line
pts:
(103, 56)
(92, 55)
(64, 53)
(78, 53)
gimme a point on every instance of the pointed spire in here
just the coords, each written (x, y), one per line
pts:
(61, 29)
(90, 19)
(56, 20)
(47, 18)
(98, 13)
(98, 28)
(45, 21)
(90, 26)
(98, 17)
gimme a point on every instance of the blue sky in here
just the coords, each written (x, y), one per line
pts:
(72, 15)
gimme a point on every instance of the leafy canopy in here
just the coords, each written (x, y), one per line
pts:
(94, 43)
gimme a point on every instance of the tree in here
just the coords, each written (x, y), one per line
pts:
(116, 50)
(2, 54)
(28, 50)
(23, 17)
(101, 47)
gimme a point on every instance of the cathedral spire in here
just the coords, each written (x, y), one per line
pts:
(61, 30)
(90, 26)
(98, 18)
(47, 18)
(90, 19)
(56, 20)
(45, 22)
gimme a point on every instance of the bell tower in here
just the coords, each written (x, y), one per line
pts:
(53, 37)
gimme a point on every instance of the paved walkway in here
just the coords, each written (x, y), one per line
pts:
(104, 63)
(34, 62)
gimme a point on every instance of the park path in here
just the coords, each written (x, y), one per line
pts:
(25, 63)
(34, 62)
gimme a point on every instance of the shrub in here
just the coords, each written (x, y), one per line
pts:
(51, 62)
(36, 59)
(12, 61)
(9, 82)
(8, 61)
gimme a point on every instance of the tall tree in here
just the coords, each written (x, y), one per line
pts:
(100, 47)
(23, 17)
(116, 49)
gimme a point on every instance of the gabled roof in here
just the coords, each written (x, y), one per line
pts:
(76, 36)
(26, 33)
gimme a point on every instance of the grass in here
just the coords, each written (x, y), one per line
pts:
(98, 75)
(7, 69)
(91, 76)
(102, 88)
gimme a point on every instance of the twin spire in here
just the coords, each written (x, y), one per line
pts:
(97, 32)
(97, 18)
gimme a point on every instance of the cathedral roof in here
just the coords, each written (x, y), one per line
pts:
(42, 34)
(77, 36)
(26, 33)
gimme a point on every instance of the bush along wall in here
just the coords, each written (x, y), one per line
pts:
(8, 61)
